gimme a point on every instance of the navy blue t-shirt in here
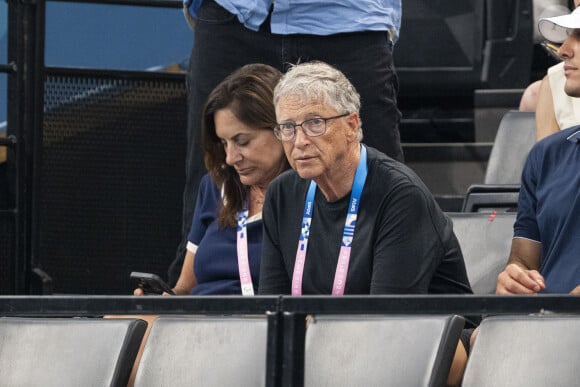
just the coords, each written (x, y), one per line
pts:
(549, 208)
(215, 248)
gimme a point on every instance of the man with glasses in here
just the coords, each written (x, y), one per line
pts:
(348, 219)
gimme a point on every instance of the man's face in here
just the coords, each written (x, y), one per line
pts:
(316, 157)
(569, 51)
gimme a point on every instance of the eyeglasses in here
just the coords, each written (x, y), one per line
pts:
(313, 127)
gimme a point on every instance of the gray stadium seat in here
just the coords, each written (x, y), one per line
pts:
(485, 241)
(68, 352)
(205, 351)
(525, 351)
(516, 135)
(380, 350)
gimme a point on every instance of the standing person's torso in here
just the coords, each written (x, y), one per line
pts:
(314, 17)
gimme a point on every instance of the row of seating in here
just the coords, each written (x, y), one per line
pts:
(337, 350)
(180, 351)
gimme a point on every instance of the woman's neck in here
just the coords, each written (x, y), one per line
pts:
(256, 199)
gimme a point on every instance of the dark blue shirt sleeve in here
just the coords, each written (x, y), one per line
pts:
(526, 225)
(206, 208)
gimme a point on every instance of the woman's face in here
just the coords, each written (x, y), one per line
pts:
(256, 154)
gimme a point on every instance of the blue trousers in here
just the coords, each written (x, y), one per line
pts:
(222, 44)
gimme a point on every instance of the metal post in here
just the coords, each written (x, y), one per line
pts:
(25, 109)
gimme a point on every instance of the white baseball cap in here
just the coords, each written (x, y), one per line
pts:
(556, 29)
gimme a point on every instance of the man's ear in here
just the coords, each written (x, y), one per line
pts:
(353, 121)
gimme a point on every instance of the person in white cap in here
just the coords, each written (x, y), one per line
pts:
(546, 242)
(543, 9)
(544, 252)
(555, 109)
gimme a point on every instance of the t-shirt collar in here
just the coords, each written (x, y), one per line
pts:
(574, 137)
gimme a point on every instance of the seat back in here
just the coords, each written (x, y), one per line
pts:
(530, 351)
(485, 241)
(491, 197)
(380, 350)
(64, 352)
(205, 351)
(515, 137)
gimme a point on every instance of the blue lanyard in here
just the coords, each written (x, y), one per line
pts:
(347, 234)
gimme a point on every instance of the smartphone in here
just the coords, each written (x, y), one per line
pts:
(150, 283)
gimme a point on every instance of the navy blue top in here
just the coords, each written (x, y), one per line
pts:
(216, 259)
(549, 207)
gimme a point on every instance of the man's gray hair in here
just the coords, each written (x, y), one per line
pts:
(318, 81)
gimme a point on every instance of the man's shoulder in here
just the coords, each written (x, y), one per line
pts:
(390, 169)
(558, 139)
(553, 150)
(572, 132)
(286, 182)
(381, 160)
(287, 177)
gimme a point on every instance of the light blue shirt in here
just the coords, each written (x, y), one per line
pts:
(314, 17)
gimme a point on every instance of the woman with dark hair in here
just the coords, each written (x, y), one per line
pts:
(242, 156)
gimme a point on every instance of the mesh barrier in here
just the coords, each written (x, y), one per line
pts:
(112, 176)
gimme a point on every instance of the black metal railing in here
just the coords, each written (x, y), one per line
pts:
(90, 306)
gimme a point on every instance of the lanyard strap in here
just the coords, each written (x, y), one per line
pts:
(347, 234)
(242, 247)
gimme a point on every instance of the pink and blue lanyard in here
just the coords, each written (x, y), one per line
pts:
(243, 262)
(347, 234)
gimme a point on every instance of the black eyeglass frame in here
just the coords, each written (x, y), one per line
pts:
(278, 130)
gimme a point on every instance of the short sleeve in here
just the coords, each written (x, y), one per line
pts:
(206, 209)
(526, 225)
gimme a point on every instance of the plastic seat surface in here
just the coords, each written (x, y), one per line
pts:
(525, 351)
(205, 351)
(485, 241)
(62, 352)
(380, 350)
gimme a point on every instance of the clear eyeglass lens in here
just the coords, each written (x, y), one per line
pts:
(287, 131)
(314, 126)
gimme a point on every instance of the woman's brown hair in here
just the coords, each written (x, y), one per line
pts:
(248, 92)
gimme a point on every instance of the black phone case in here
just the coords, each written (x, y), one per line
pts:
(151, 283)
